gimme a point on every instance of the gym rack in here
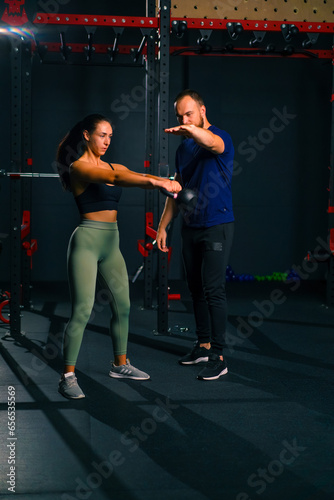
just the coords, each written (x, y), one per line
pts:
(162, 20)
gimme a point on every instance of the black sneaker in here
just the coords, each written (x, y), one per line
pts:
(197, 355)
(214, 369)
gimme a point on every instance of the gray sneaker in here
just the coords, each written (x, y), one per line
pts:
(69, 387)
(127, 371)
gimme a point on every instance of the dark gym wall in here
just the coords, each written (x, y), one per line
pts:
(277, 111)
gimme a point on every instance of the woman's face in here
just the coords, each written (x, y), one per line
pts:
(99, 140)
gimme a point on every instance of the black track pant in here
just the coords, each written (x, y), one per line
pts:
(205, 253)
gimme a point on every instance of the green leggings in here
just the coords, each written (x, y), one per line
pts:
(93, 252)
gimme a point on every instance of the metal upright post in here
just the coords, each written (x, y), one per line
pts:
(330, 275)
(26, 163)
(150, 84)
(15, 188)
(163, 107)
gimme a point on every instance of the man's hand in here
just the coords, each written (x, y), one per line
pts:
(161, 239)
(184, 130)
(202, 136)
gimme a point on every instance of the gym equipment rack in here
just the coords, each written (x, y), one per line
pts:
(254, 16)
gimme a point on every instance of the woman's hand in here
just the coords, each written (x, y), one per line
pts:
(171, 186)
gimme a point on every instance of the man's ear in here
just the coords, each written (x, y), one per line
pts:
(203, 111)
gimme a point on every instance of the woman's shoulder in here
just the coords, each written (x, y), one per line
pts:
(117, 166)
(83, 163)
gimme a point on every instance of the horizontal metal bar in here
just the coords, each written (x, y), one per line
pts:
(99, 48)
(189, 51)
(248, 25)
(192, 23)
(90, 20)
(249, 52)
(29, 174)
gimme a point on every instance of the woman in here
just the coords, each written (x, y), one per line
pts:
(94, 246)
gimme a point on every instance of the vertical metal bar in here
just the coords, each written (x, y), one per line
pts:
(15, 188)
(163, 106)
(15, 256)
(330, 275)
(150, 83)
(330, 282)
(26, 166)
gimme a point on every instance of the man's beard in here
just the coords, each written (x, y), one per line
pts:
(201, 122)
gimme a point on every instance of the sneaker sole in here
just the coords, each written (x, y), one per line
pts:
(119, 375)
(71, 397)
(215, 377)
(195, 361)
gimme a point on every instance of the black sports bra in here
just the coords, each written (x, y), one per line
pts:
(97, 197)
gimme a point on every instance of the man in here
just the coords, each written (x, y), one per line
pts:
(204, 163)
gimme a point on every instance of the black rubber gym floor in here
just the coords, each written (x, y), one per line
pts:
(264, 431)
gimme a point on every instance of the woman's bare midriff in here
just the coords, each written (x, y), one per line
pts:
(103, 216)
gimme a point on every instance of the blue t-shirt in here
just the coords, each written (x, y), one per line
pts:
(210, 176)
